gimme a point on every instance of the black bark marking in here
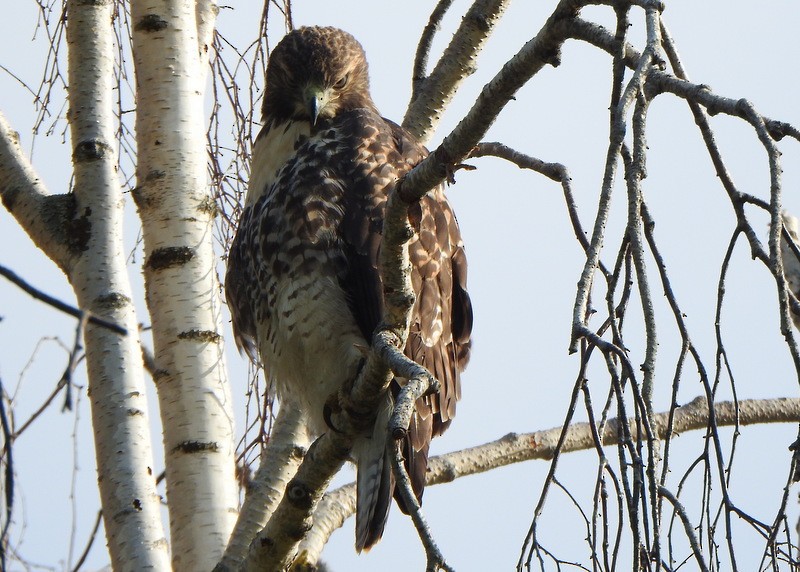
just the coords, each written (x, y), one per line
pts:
(79, 230)
(112, 301)
(10, 198)
(190, 447)
(168, 257)
(91, 150)
(151, 23)
(208, 336)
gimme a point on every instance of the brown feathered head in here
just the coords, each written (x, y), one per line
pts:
(314, 73)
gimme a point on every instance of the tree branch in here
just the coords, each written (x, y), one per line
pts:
(418, 75)
(279, 461)
(339, 504)
(44, 217)
(432, 94)
(435, 558)
(58, 304)
(544, 48)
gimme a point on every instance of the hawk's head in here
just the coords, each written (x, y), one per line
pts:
(314, 73)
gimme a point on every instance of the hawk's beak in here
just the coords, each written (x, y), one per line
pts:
(316, 99)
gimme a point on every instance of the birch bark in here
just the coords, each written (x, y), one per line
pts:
(82, 233)
(182, 288)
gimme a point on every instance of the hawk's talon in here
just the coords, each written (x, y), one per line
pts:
(327, 413)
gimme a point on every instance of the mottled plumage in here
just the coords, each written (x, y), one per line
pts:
(303, 283)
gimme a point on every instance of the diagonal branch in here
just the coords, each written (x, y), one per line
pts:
(58, 304)
(44, 217)
(535, 54)
(434, 555)
(432, 94)
(279, 462)
(339, 504)
(418, 76)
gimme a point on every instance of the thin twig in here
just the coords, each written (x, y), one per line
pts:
(75, 357)
(8, 476)
(418, 74)
(687, 526)
(58, 304)
(435, 558)
(89, 542)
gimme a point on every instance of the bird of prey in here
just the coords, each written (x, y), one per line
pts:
(303, 282)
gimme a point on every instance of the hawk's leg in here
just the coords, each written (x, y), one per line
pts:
(332, 403)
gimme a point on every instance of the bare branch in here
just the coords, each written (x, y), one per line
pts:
(279, 461)
(58, 304)
(419, 73)
(553, 171)
(8, 476)
(619, 109)
(45, 218)
(92, 537)
(431, 95)
(339, 504)
(542, 49)
(436, 560)
(687, 526)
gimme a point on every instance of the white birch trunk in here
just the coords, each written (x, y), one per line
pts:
(131, 504)
(183, 292)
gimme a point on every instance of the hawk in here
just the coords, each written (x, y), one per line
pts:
(303, 282)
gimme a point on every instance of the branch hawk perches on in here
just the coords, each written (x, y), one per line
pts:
(303, 283)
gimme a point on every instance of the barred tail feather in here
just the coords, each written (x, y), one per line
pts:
(374, 484)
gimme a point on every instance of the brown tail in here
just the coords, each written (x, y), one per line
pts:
(374, 482)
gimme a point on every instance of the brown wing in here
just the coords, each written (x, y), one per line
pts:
(441, 324)
(239, 285)
(441, 319)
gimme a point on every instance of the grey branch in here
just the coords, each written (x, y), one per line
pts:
(44, 217)
(59, 305)
(433, 94)
(543, 49)
(418, 76)
(279, 462)
(661, 81)
(687, 526)
(338, 505)
(435, 559)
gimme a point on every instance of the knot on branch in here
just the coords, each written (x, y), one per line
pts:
(777, 129)
(91, 150)
(167, 257)
(552, 57)
(744, 107)
(299, 494)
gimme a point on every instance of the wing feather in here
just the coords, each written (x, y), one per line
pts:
(441, 320)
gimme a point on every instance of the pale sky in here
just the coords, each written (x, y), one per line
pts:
(524, 264)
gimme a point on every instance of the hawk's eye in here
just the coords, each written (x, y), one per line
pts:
(341, 83)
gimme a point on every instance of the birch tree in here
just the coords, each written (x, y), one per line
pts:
(642, 372)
